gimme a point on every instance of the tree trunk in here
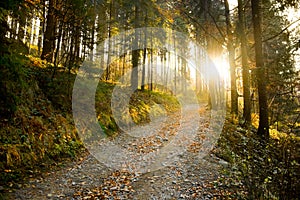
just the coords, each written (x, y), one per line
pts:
(41, 29)
(144, 64)
(144, 55)
(49, 37)
(151, 63)
(101, 34)
(135, 52)
(12, 31)
(109, 41)
(175, 65)
(231, 52)
(56, 62)
(184, 71)
(77, 47)
(245, 67)
(263, 128)
(22, 25)
(198, 55)
(93, 32)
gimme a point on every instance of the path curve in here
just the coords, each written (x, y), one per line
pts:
(189, 176)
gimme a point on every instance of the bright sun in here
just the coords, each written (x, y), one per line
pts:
(222, 65)
(232, 3)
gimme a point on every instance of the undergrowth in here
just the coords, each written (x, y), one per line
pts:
(36, 114)
(32, 130)
(266, 170)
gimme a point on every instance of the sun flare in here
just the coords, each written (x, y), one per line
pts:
(223, 68)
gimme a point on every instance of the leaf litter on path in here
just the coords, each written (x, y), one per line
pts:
(188, 176)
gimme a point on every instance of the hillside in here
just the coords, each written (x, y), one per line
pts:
(36, 122)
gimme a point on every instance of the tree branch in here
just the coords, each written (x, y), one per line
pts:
(276, 35)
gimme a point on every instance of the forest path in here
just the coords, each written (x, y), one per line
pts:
(188, 177)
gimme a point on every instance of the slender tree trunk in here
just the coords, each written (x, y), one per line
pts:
(22, 26)
(93, 32)
(49, 37)
(123, 64)
(165, 74)
(168, 74)
(151, 65)
(263, 128)
(109, 40)
(175, 66)
(32, 34)
(245, 67)
(102, 33)
(71, 52)
(199, 58)
(144, 63)
(163, 68)
(12, 32)
(144, 55)
(64, 43)
(184, 80)
(27, 33)
(210, 51)
(135, 52)
(230, 47)
(41, 28)
(60, 30)
(77, 47)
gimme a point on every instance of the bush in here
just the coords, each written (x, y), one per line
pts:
(269, 171)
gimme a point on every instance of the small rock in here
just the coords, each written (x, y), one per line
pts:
(113, 188)
(126, 189)
(223, 162)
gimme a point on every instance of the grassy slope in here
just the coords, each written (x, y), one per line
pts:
(35, 114)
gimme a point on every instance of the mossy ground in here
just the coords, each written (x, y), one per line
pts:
(36, 114)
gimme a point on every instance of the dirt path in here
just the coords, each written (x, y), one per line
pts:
(188, 176)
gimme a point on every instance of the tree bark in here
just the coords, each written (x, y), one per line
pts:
(135, 52)
(109, 41)
(42, 27)
(245, 67)
(56, 62)
(263, 128)
(144, 56)
(231, 52)
(49, 37)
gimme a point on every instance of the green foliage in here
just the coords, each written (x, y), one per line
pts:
(267, 171)
(144, 103)
(284, 4)
(139, 106)
(32, 130)
(40, 125)
(11, 82)
(10, 4)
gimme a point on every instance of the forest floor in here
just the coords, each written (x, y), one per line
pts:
(189, 176)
